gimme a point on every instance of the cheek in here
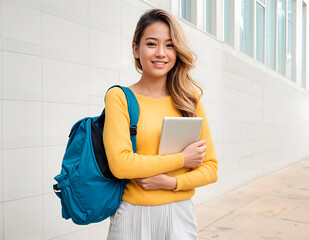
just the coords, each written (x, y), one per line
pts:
(146, 52)
(173, 56)
(144, 56)
(173, 59)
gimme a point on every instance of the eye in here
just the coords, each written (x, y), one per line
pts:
(151, 44)
(170, 45)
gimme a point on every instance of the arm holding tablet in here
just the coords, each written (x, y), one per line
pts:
(206, 171)
(194, 153)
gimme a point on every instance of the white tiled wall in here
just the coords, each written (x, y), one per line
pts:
(0, 30)
(74, 11)
(34, 4)
(104, 50)
(22, 173)
(58, 58)
(1, 158)
(23, 218)
(1, 180)
(21, 124)
(21, 28)
(103, 18)
(64, 40)
(1, 222)
(1, 131)
(21, 76)
(73, 79)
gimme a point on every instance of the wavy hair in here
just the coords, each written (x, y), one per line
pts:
(179, 82)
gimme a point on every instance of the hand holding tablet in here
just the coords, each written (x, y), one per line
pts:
(181, 134)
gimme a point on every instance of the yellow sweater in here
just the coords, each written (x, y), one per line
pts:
(124, 163)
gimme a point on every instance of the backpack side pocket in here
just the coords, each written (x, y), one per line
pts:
(71, 202)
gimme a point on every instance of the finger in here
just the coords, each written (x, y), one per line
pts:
(200, 143)
(202, 149)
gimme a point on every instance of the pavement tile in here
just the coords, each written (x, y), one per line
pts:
(292, 193)
(293, 209)
(234, 199)
(273, 207)
(293, 177)
(253, 227)
(207, 215)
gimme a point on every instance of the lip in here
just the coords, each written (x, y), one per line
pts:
(159, 65)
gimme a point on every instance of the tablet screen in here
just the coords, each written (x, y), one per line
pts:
(179, 132)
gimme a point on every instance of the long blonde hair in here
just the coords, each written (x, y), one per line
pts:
(180, 84)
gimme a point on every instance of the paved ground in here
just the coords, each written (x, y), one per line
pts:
(273, 207)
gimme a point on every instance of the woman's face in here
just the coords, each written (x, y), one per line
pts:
(156, 51)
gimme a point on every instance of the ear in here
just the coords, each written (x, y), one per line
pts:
(135, 50)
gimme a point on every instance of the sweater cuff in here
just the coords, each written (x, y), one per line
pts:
(179, 184)
(175, 160)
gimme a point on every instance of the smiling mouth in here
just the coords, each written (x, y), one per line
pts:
(159, 63)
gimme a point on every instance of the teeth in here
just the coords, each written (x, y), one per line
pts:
(160, 63)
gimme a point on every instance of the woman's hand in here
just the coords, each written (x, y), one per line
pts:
(161, 181)
(194, 154)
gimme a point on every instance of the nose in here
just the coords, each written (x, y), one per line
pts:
(160, 51)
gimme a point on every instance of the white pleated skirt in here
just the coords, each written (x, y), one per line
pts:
(170, 221)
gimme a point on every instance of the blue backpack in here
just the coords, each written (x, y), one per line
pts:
(88, 190)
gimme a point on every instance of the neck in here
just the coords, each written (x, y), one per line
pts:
(155, 87)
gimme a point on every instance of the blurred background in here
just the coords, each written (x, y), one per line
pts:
(58, 58)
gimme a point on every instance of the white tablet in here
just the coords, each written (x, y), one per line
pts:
(179, 132)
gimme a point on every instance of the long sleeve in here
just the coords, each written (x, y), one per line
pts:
(123, 162)
(208, 172)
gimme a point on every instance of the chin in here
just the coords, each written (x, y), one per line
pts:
(159, 75)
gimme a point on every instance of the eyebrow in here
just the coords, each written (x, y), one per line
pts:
(157, 39)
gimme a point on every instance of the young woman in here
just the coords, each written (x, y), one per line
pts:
(156, 203)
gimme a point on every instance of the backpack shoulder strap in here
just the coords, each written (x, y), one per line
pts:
(133, 110)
